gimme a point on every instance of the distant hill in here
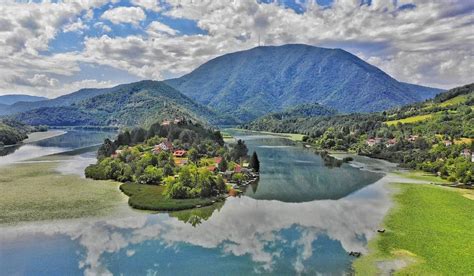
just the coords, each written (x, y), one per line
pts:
(65, 100)
(252, 83)
(139, 103)
(14, 98)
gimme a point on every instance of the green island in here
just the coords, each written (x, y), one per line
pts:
(175, 165)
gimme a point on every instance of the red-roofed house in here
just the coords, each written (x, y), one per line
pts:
(238, 169)
(179, 153)
(218, 160)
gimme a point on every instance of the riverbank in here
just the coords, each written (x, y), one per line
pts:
(37, 191)
(428, 231)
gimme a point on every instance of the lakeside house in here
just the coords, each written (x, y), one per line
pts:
(391, 143)
(179, 153)
(373, 141)
(163, 146)
(448, 143)
(466, 153)
(413, 138)
(117, 153)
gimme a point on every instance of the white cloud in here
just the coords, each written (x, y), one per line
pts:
(132, 15)
(158, 27)
(430, 44)
(152, 5)
(77, 26)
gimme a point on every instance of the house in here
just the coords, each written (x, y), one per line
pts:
(165, 123)
(212, 168)
(374, 141)
(178, 120)
(466, 153)
(163, 146)
(472, 157)
(117, 153)
(370, 142)
(391, 143)
(238, 169)
(413, 138)
(179, 153)
(448, 143)
(218, 160)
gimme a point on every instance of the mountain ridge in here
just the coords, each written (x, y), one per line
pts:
(282, 76)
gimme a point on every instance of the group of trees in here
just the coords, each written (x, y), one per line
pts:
(194, 182)
(137, 163)
(13, 132)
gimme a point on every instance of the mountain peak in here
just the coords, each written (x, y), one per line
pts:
(251, 83)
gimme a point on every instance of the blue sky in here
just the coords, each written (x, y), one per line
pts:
(50, 48)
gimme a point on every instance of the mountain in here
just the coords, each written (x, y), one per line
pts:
(14, 98)
(251, 83)
(65, 100)
(139, 103)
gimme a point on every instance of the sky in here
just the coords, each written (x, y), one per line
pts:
(51, 48)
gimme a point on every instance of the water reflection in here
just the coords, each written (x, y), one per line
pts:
(243, 235)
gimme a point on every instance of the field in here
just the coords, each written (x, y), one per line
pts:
(454, 101)
(35, 191)
(429, 232)
(150, 197)
(409, 120)
(423, 176)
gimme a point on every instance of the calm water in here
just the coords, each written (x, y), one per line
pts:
(302, 218)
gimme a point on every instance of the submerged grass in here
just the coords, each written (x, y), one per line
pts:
(35, 191)
(429, 232)
(150, 197)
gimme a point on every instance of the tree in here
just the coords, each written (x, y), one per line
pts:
(193, 155)
(223, 165)
(138, 135)
(239, 151)
(106, 149)
(254, 162)
(123, 139)
(151, 175)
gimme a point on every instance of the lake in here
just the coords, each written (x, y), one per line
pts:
(303, 217)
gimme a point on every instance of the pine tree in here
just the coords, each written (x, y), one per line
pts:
(254, 162)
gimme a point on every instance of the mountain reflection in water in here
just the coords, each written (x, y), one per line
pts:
(301, 218)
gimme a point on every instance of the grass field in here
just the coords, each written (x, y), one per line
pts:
(410, 120)
(423, 176)
(456, 100)
(35, 191)
(150, 197)
(429, 231)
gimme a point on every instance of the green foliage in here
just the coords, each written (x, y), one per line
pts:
(13, 132)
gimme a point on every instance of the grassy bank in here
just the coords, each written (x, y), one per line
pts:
(429, 232)
(35, 191)
(150, 197)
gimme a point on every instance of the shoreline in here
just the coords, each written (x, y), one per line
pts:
(41, 136)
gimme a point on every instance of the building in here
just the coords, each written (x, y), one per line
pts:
(448, 143)
(218, 160)
(238, 169)
(391, 143)
(163, 146)
(466, 153)
(165, 123)
(179, 153)
(374, 141)
(117, 153)
(413, 138)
